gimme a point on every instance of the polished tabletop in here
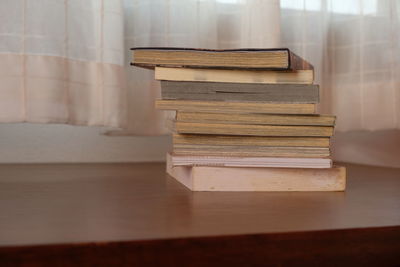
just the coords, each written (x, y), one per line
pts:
(97, 202)
(46, 204)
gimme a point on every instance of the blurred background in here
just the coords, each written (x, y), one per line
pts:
(68, 93)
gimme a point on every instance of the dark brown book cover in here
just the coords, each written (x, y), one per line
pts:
(244, 58)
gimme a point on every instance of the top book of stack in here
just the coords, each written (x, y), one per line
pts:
(262, 59)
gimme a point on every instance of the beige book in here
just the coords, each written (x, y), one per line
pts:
(206, 178)
(269, 119)
(256, 162)
(235, 107)
(234, 76)
(233, 140)
(250, 129)
(251, 151)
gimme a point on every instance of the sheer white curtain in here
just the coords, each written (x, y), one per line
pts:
(188, 23)
(61, 61)
(355, 47)
(67, 61)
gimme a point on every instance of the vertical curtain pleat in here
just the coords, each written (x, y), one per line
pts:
(202, 24)
(354, 45)
(67, 61)
(62, 61)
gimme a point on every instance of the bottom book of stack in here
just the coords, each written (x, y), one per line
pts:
(253, 176)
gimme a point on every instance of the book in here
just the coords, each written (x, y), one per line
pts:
(248, 129)
(234, 76)
(213, 91)
(235, 107)
(255, 162)
(211, 178)
(251, 151)
(268, 119)
(234, 140)
(250, 58)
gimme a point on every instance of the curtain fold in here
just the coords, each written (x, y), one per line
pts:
(61, 61)
(199, 24)
(354, 46)
(67, 61)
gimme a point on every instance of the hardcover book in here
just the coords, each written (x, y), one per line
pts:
(245, 119)
(250, 58)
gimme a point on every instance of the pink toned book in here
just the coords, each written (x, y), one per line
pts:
(211, 178)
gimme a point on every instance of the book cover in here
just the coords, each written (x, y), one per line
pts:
(248, 58)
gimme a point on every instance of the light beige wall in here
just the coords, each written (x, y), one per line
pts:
(37, 143)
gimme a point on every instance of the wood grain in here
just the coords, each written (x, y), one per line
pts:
(126, 214)
(350, 247)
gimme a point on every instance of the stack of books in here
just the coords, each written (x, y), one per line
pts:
(245, 120)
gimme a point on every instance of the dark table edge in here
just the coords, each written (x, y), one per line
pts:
(358, 246)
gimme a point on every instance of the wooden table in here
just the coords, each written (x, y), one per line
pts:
(134, 214)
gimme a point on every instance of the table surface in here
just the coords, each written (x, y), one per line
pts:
(78, 203)
(44, 204)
